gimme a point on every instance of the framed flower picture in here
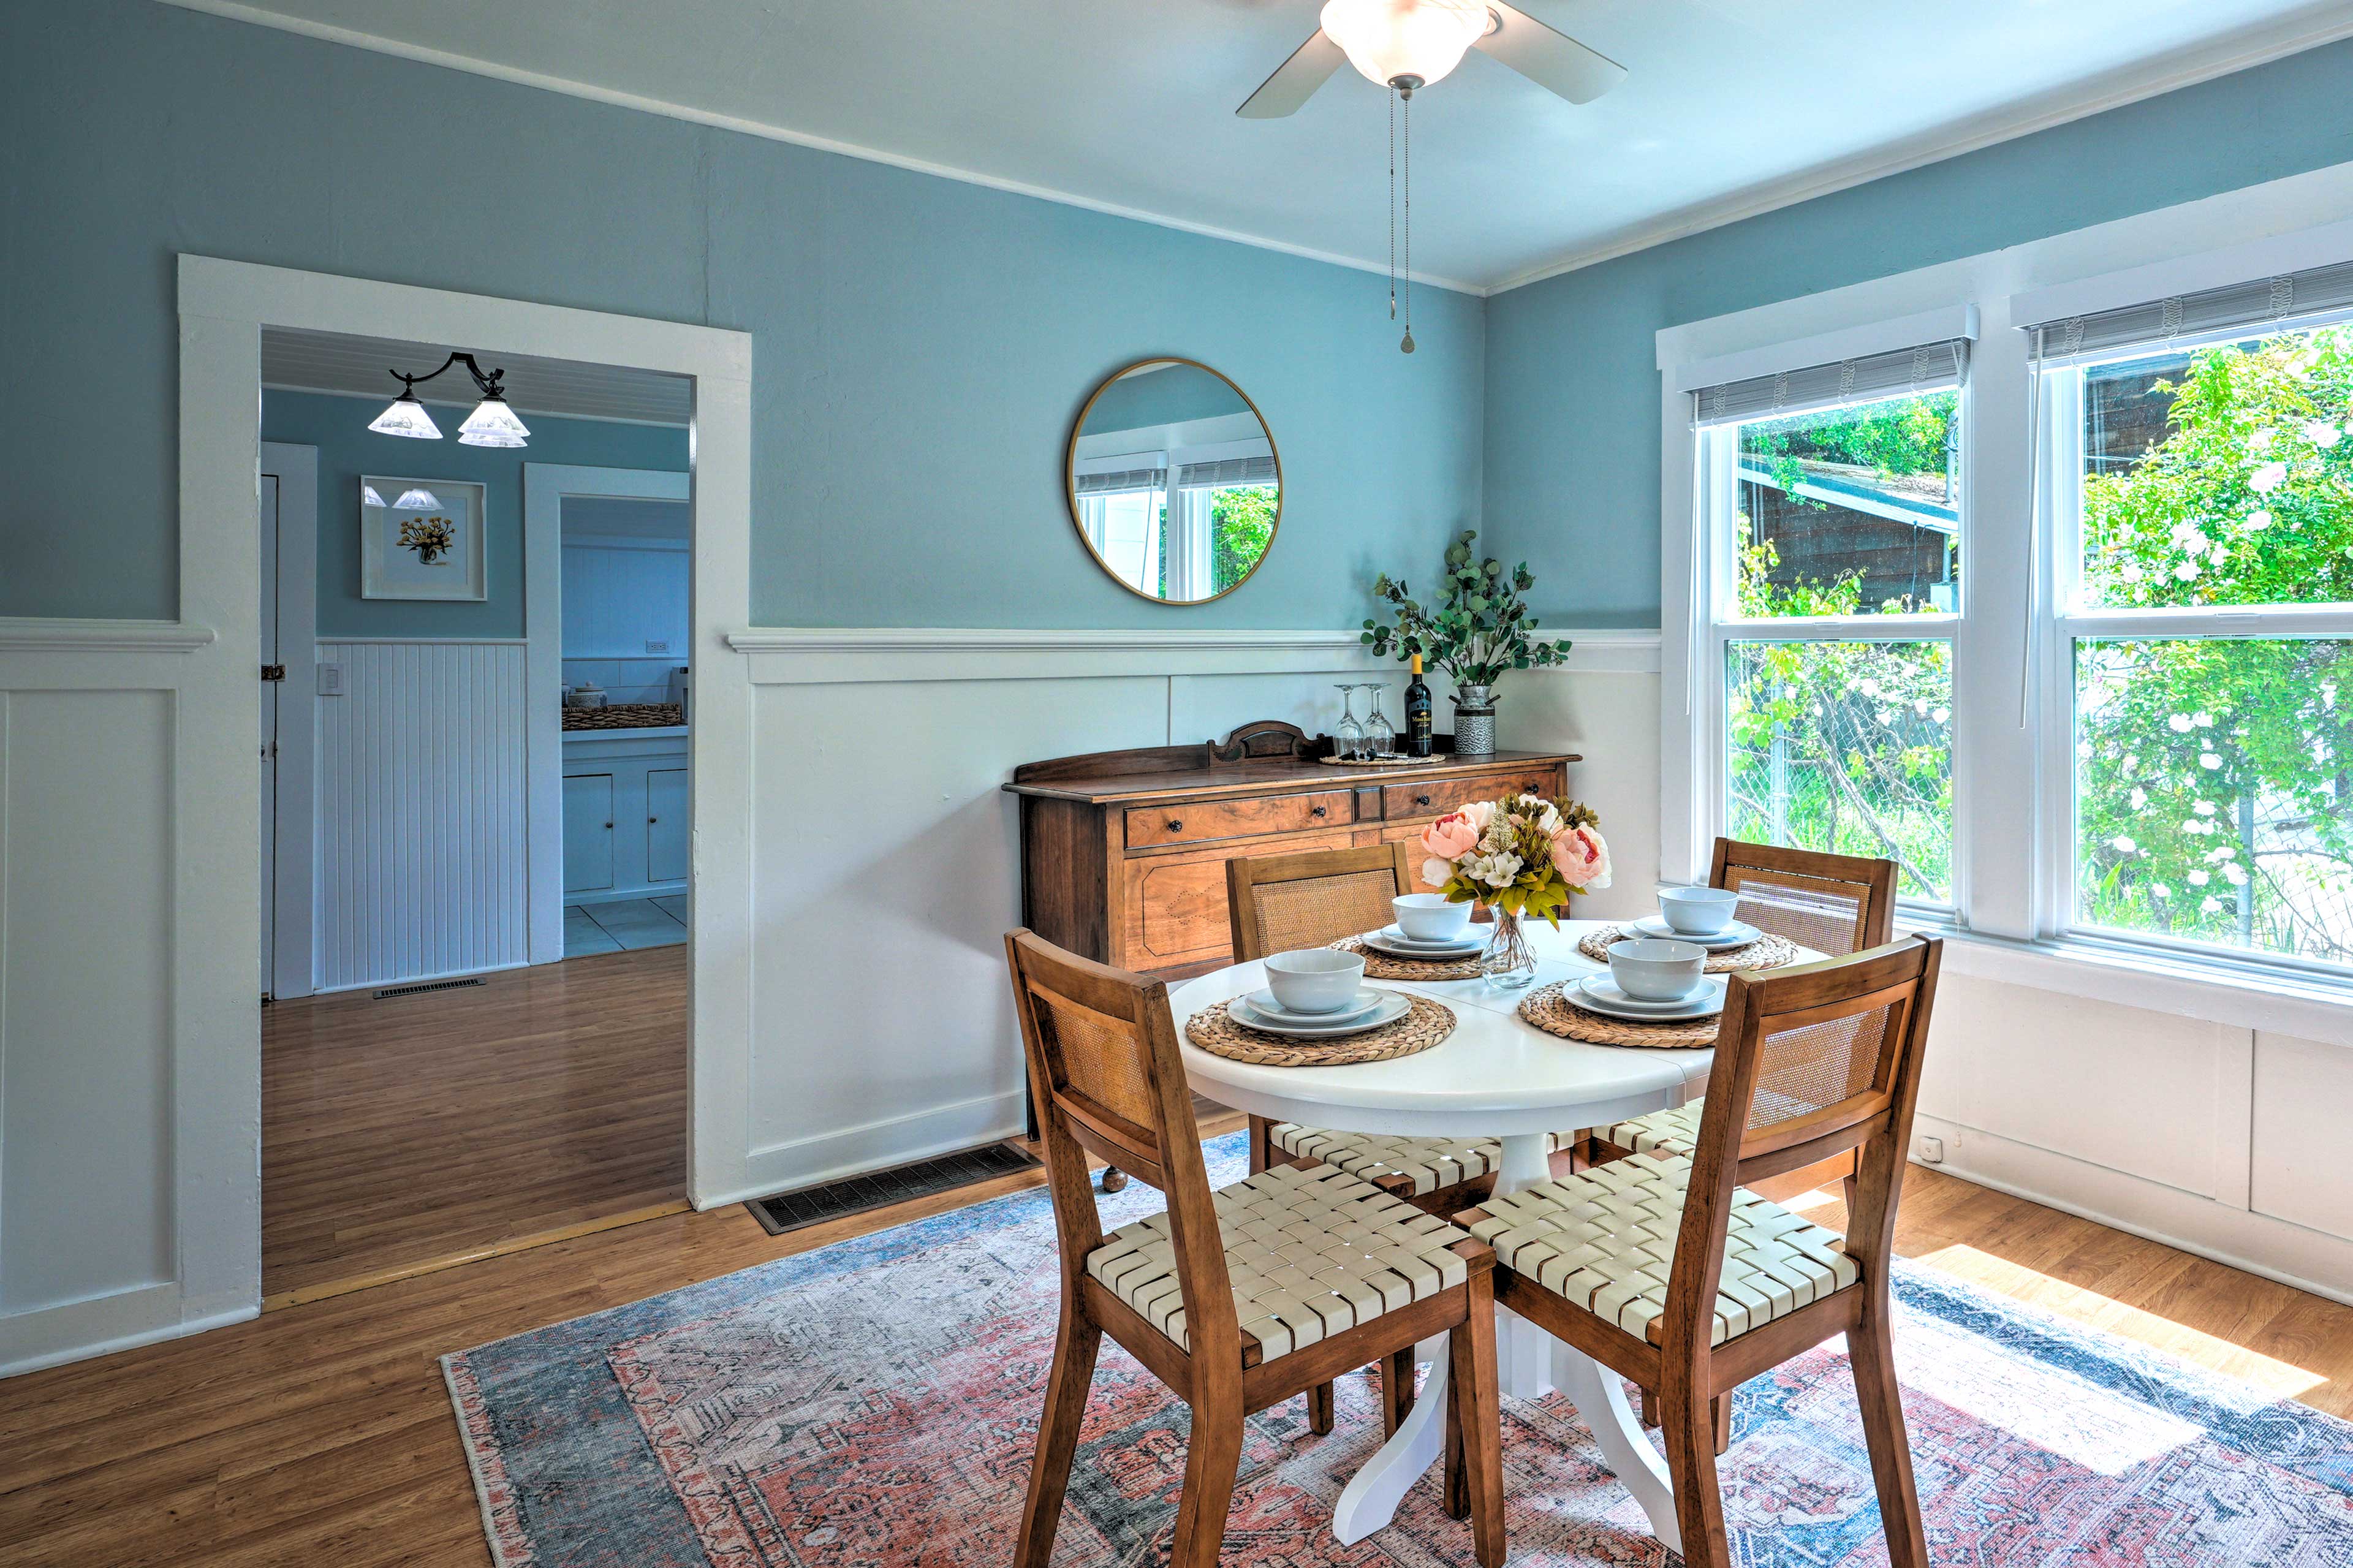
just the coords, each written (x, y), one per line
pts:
(421, 538)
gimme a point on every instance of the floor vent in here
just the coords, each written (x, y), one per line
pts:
(391, 990)
(880, 1189)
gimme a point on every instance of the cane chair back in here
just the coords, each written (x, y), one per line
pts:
(1810, 1062)
(1834, 904)
(1280, 902)
(1107, 1081)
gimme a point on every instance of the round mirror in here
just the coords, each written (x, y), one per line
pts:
(1173, 481)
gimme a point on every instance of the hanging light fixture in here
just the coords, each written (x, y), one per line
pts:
(416, 499)
(491, 424)
(1405, 43)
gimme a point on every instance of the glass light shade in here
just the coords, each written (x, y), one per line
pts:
(369, 496)
(492, 424)
(1386, 39)
(418, 500)
(406, 416)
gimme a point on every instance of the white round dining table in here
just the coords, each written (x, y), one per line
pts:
(1495, 1075)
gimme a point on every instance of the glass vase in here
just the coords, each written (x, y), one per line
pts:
(1506, 962)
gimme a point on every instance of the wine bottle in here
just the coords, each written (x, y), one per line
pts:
(1417, 712)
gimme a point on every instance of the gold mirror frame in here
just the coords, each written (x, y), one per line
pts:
(1071, 485)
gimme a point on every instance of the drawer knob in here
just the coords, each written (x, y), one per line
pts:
(1176, 825)
(1316, 811)
(1421, 799)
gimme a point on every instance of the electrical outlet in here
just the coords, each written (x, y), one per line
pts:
(331, 680)
(1932, 1150)
(657, 646)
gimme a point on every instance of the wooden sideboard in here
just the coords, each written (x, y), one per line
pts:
(1124, 853)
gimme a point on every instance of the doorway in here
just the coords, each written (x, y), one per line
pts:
(440, 1084)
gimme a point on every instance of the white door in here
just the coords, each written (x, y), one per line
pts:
(270, 660)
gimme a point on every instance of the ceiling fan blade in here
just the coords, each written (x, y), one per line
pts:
(1294, 81)
(1552, 60)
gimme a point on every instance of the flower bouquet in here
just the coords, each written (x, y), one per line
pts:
(1521, 856)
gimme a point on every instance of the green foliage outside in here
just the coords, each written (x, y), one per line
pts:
(1902, 435)
(2215, 777)
(1241, 525)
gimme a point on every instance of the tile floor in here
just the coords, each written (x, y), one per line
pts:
(624, 926)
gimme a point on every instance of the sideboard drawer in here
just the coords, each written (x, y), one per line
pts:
(1435, 798)
(1175, 905)
(1193, 821)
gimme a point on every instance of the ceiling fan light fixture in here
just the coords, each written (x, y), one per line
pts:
(1404, 42)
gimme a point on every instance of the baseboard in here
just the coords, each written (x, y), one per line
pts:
(895, 1140)
(100, 1325)
(2239, 1239)
(416, 979)
(627, 895)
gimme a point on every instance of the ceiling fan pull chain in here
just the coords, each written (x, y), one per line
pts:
(1393, 302)
(1407, 344)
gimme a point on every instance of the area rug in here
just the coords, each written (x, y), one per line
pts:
(874, 1403)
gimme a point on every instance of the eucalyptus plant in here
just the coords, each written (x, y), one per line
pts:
(1481, 627)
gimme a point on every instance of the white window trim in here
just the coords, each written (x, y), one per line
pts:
(2009, 920)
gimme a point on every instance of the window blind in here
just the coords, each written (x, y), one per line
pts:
(2258, 305)
(1226, 471)
(1897, 373)
(1120, 480)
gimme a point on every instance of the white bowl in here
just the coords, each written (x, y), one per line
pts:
(1315, 979)
(1653, 969)
(1430, 917)
(1698, 911)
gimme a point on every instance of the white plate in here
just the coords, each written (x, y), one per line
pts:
(1263, 1003)
(1394, 1006)
(1603, 994)
(1739, 933)
(1390, 940)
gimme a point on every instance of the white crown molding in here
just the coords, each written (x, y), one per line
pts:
(824, 656)
(40, 634)
(375, 43)
(2185, 68)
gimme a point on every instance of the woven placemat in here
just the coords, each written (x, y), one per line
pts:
(1379, 965)
(1555, 1013)
(1767, 951)
(1215, 1032)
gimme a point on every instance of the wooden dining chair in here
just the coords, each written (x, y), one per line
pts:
(1279, 902)
(1236, 1298)
(1668, 1269)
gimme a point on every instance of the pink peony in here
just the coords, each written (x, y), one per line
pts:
(1582, 859)
(1452, 837)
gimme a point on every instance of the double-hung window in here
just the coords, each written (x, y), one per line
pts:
(1831, 513)
(2197, 496)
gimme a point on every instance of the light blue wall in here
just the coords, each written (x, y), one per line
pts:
(922, 346)
(1167, 396)
(1573, 437)
(348, 448)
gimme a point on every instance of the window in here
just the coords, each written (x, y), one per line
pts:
(1832, 564)
(1210, 527)
(2199, 497)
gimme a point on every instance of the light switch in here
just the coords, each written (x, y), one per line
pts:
(331, 680)
(653, 646)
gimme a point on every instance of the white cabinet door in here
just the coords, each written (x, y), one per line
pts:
(666, 822)
(587, 832)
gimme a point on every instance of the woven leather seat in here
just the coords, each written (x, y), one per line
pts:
(1604, 1240)
(1309, 1252)
(1429, 1164)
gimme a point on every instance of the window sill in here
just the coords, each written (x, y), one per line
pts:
(2304, 1007)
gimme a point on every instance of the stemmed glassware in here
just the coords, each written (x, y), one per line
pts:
(1349, 736)
(1380, 736)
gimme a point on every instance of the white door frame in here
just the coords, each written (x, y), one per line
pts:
(297, 468)
(216, 1106)
(545, 488)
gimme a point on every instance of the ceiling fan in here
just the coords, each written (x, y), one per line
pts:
(1409, 44)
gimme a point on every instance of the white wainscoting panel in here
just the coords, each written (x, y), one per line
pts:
(422, 848)
(1605, 708)
(2303, 1127)
(86, 895)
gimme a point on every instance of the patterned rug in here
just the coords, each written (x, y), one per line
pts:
(875, 1401)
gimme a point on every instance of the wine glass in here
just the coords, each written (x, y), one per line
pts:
(1349, 736)
(1380, 735)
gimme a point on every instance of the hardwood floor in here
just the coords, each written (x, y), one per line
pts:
(426, 1131)
(323, 1434)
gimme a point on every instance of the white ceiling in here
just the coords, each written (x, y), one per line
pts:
(345, 362)
(1733, 106)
